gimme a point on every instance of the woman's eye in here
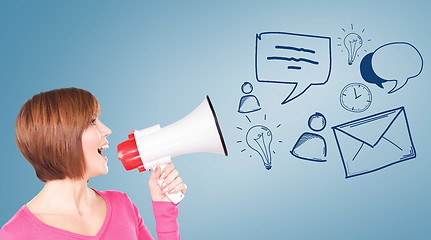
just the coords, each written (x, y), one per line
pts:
(93, 122)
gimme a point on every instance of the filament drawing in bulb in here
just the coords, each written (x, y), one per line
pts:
(259, 139)
(352, 42)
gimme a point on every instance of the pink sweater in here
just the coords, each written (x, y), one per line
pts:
(122, 222)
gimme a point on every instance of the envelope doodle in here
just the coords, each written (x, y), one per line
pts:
(371, 143)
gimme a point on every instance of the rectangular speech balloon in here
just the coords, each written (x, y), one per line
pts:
(290, 58)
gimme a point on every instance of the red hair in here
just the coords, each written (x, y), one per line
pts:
(49, 128)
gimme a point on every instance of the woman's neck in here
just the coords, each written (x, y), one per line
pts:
(65, 196)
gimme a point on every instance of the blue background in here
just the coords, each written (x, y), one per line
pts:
(151, 62)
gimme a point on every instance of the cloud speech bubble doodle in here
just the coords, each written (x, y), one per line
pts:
(393, 62)
(290, 58)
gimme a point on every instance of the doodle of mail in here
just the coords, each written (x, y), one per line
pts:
(371, 143)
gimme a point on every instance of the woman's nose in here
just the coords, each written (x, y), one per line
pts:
(104, 130)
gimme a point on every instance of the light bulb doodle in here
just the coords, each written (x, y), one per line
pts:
(352, 42)
(259, 139)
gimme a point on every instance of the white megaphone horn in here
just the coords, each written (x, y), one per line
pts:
(154, 146)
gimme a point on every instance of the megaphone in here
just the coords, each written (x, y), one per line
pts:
(199, 131)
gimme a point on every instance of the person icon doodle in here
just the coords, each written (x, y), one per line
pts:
(248, 103)
(312, 146)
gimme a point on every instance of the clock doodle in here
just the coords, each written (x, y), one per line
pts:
(355, 97)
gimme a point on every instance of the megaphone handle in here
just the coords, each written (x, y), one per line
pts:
(174, 197)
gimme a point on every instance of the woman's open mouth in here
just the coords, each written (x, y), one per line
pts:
(100, 149)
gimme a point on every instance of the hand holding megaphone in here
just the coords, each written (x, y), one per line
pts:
(154, 146)
(166, 181)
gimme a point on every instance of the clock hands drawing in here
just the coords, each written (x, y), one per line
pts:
(355, 97)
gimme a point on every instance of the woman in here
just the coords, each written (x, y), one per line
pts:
(60, 134)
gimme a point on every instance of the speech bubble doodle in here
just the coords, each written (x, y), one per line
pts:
(393, 62)
(290, 58)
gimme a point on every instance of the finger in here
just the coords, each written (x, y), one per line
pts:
(170, 178)
(176, 186)
(180, 187)
(156, 173)
(167, 170)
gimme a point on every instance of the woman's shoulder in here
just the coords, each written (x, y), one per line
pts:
(111, 194)
(19, 224)
(119, 203)
(115, 197)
